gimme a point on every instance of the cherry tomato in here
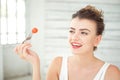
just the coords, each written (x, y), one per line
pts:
(34, 30)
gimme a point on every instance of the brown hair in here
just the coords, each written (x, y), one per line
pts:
(91, 13)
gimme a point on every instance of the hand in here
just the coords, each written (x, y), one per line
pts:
(24, 51)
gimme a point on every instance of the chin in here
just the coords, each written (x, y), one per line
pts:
(76, 52)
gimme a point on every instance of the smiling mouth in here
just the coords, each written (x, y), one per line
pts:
(76, 45)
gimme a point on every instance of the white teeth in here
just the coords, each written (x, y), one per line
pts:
(76, 44)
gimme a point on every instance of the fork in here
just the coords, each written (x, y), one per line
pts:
(27, 38)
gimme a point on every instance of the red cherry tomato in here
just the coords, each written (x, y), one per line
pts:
(34, 30)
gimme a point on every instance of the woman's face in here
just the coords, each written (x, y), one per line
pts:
(82, 36)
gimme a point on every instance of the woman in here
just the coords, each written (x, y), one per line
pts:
(86, 30)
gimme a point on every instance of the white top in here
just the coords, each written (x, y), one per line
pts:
(64, 71)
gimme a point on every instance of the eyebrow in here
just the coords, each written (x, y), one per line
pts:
(80, 29)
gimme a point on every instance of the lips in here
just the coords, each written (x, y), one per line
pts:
(76, 45)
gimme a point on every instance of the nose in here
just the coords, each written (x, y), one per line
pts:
(76, 37)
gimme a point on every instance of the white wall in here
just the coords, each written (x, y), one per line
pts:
(1, 63)
(1, 56)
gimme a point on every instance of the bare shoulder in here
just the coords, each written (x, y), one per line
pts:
(113, 73)
(54, 69)
(57, 60)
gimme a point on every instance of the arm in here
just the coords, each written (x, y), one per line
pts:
(36, 70)
(24, 51)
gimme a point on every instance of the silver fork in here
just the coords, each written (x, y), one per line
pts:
(27, 38)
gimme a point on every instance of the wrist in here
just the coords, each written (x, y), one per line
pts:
(36, 62)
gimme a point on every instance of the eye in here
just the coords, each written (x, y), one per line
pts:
(84, 33)
(71, 31)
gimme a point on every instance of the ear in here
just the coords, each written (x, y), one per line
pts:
(97, 40)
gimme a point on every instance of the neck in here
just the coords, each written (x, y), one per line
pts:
(84, 59)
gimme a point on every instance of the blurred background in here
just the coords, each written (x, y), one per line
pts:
(52, 18)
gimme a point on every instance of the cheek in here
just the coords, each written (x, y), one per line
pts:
(93, 42)
(88, 41)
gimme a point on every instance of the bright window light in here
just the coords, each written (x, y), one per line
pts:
(12, 21)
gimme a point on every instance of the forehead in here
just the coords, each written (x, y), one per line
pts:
(83, 24)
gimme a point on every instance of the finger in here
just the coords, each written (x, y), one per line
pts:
(25, 50)
(21, 56)
(16, 49)
(21, 47)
